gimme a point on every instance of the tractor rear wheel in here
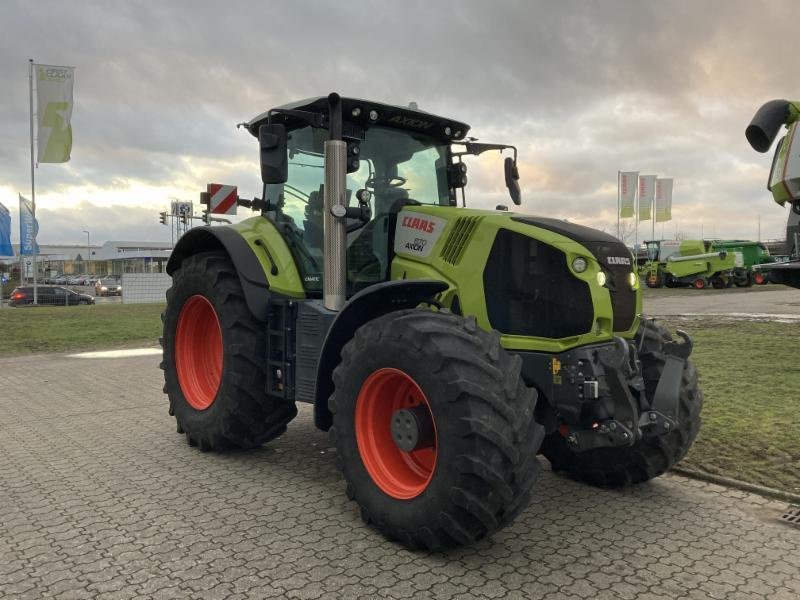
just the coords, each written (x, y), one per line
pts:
(214, 359)
(434, 428)
(651, 456)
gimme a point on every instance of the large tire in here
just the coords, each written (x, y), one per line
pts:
(651, 456)
(478, 474)
(215, 359)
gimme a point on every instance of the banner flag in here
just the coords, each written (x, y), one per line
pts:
(5, 232)
(627, 193)
(647, 191)
(54, 112)
(663, 200)
(28, 228)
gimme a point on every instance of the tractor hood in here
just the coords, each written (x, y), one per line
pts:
(607, 249)
(525, 276)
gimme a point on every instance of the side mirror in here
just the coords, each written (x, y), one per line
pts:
(512, 180)
(274, 162)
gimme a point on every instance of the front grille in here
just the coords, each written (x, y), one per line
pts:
(456, 242)
(530, 290)
(623, 298)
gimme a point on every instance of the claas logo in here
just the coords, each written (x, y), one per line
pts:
(420, 224)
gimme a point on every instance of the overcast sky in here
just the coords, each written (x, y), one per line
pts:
(583, 88)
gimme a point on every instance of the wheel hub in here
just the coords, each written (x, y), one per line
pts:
(412, 428)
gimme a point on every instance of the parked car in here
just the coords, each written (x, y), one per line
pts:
(111, 285)
(48, 295)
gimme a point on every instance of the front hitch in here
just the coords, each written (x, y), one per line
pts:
(663, 413)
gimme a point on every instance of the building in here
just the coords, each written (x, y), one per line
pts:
(111, 258)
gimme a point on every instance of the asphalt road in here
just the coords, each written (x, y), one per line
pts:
(100, 497)
(742, 302)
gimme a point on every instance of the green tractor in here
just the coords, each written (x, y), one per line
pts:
(443, 348)
(695, 263)
(784, 178)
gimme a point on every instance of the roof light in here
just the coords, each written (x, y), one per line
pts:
(601, 278)
(579, 264)
(447, 131)
(356, 112)
(373, 115)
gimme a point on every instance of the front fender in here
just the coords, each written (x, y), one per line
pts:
(368, 304)
(229, 240)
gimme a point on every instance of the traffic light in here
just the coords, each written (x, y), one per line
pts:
(162, 218)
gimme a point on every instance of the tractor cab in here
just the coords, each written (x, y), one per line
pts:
(395, 157)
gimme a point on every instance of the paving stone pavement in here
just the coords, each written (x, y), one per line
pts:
(100, 498)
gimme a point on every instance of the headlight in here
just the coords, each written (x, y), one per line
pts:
(579, 264)
(601, 278)
(633, 279)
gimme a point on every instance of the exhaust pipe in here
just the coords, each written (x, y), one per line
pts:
(766, 123)
(334, 275)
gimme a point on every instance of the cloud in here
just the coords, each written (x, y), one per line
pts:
(584, 90)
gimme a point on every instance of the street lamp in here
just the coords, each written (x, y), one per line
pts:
(88, 251)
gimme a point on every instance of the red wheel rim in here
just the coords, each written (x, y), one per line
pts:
(699, 284)
(198, 352)
(399, 474)
(758, 278)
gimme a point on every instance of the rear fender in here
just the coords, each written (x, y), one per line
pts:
(368, 304)
(251, 274)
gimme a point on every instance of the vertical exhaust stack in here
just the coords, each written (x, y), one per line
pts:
(334, 276)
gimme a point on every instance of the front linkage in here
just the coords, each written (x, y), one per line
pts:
(598, 393)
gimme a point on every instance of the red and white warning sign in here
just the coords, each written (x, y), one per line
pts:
(222, 198)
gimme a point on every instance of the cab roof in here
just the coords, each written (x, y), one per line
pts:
(358, 115)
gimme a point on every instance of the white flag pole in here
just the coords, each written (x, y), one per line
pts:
(619, 200)
(33, 187)
(636, 222)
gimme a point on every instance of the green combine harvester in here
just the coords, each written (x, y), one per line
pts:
(443, 348)
(784, 177)
(695, 263)
(748, 255)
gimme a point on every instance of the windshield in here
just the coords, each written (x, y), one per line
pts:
(396, 167)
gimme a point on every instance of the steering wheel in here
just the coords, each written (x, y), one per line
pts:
(393, 182)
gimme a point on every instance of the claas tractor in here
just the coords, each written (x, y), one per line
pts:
(442, 347)
(784, 177)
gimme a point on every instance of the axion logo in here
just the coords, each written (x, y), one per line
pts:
(418, 245)
(618, 260)
(417, 223)
(410, 122)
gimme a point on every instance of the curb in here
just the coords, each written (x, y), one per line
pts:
(761, 490)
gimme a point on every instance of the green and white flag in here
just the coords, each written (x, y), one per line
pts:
(54, 112)
(663, 200)
(647, 192)
(627, 193)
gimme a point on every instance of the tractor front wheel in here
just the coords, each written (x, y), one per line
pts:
(215, 359)
(434, 428)
(650, 456)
